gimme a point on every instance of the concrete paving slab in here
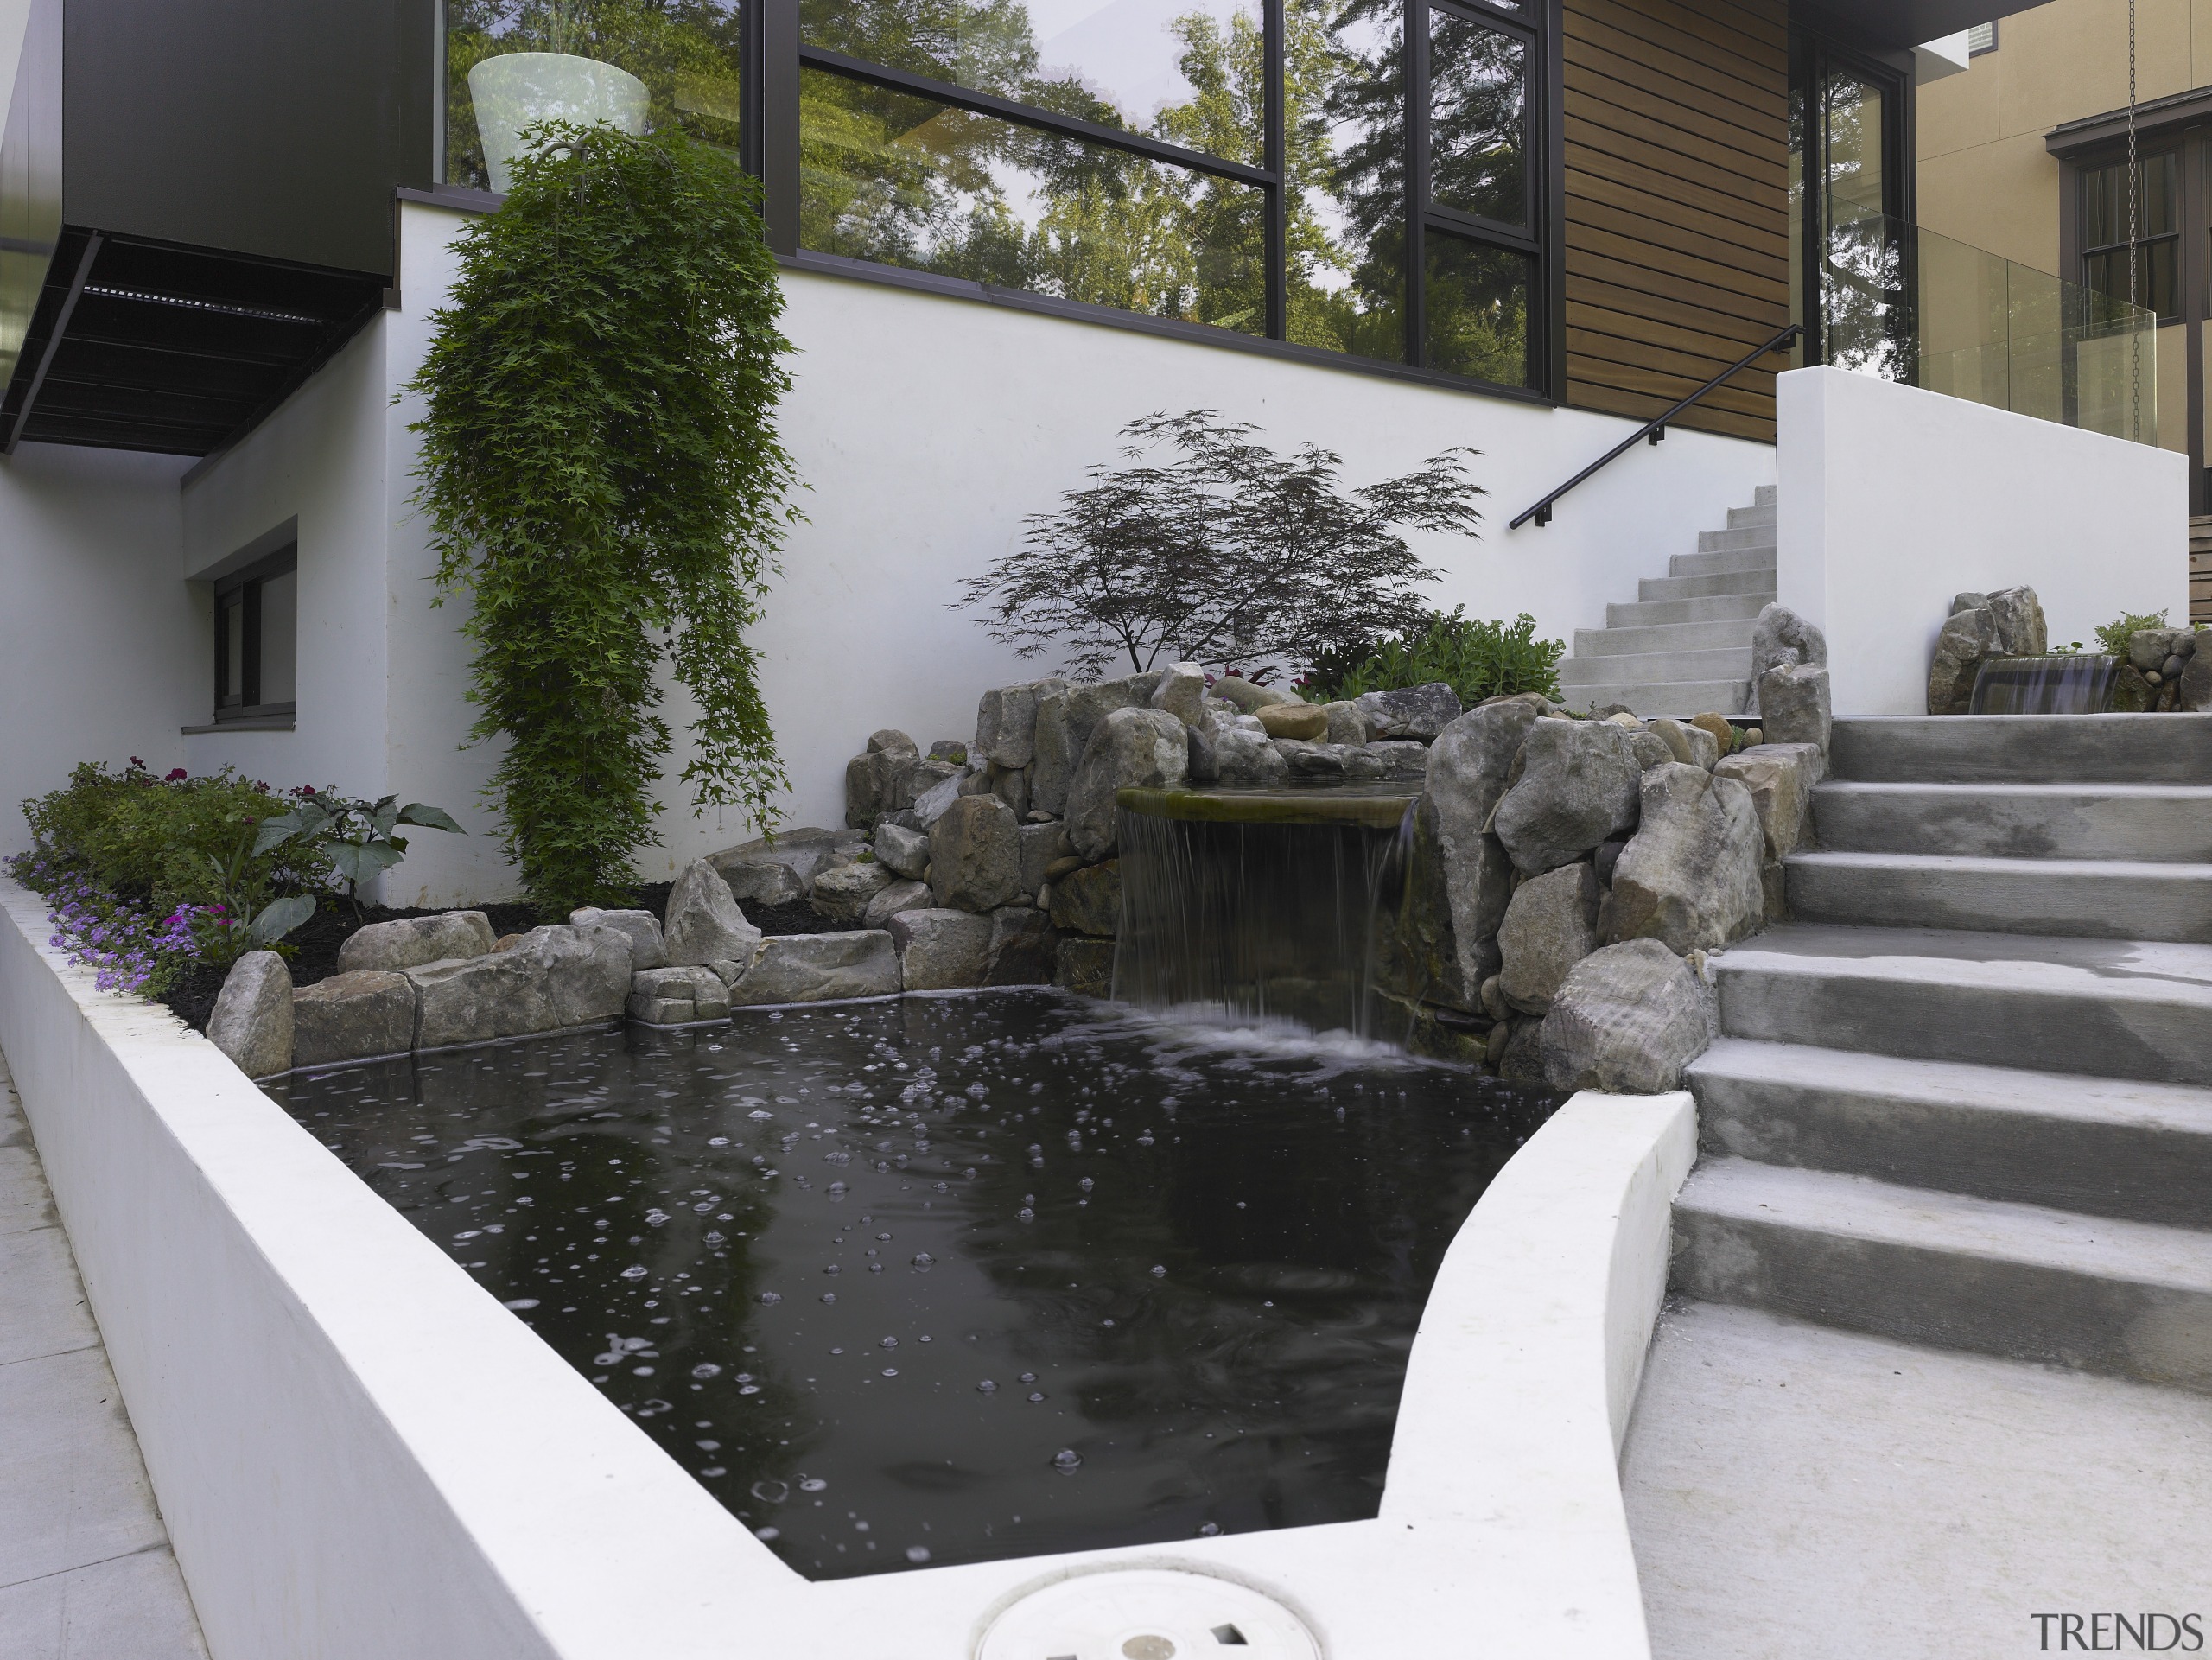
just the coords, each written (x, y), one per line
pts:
(73, 1489)
(129, 1608)
(1796, 1491)
(42, 1308)
(24, 1200)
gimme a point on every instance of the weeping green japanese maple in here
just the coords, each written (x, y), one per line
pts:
(602, 479)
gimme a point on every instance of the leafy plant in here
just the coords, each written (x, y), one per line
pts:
(129, 947)
(1223, 552)
(603, 479)
(2113, 636)
(1477, 659)
(158, 839)
(243, 918)
(352, 838)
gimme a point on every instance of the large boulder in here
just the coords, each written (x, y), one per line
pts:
(1043, 846)
(1006, 723)
(1689, 878)
(1023, 950)
(410, 941)
(252, 1021)
(648, 947)
(819, 968)
(904, 851)
(1780, 778)
(1182, 692)
(1462, 876)
(1782, 636)
(2017, 615)
(942, 950)
(1088, 901)
(975, 854)
(1132, 749)
(900, 896)
(1626, 1020)
(881, 779)
(679, 996)
(1056, 751)
(1347, 725)
(1794, 706)
(2007, 623)
(1419, 713)
(355, 1016)
(777, 871)
(549, 979)
(2194, 694)
(842, 894)
(1551, 924)
(1578, 786)
(702, 923)
(1306, 722)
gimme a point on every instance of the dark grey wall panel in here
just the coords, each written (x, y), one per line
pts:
(31, 181)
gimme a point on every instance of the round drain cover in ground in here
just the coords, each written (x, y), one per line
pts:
(1147, 1614)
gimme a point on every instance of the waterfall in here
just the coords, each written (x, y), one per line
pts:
(2043, 685)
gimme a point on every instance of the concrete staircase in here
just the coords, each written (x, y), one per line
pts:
(1684, 646)
(1962, 1100)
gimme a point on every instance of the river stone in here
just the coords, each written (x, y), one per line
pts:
(942, 950)
(252, 1021)
(976, 852)
(902, 851)
(1551, 924)
(1782, 636)
(703, 924)
(410, 941)
(1023, 947)
(1132, 749)
(842, 894)
(1461, 877)
(551, 978)
(1794, 706)
(1780, 778)
(1415, 712)
(353, 1017)
(648, 949)
(900, 896)
(1306, 722)
(1043, 846)
(1578, 786)
(1649, 748)
(819, 968)
(1626, 1020)
(2196, 687)
(1692, 745)
(1347, 726)
(1088, 901)
(1690, 876)
(1005, 722)
(1716, 726)
(1084, 967)
(677, 997)
(1182, 692)
(1235, 688)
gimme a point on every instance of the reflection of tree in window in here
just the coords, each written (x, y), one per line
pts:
(1345, 122)
(1477, 119)
(1476, 301)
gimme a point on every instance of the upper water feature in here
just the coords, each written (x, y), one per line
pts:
(2057, 684)
(951, 1278)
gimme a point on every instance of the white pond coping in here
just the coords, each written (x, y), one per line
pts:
(360, 1454)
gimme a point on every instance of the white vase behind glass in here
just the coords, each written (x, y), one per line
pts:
(519, 89)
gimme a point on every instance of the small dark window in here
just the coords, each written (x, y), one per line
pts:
(2157, 239)
(256, 639)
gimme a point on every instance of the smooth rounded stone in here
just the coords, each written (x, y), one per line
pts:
(359, 1016)
(1578, 786)
(1782, 636)
(1461, 877)
(1693, 745)
(1182, 692)
(1307, 722)
(1347, 724)
(1780, 778)
(942, 950)
(1132, 749)
(975, 853)
(1418, 713)
(2196, 684)
(1753, 736)
(1626, 1020)
(1794, 706)
(1493, 999)
(1551, 924)
(842, 894)
(1623, 718)
(648, 948)
(677, 997)
(901, 850)
(252, 1021)
(819, 968)
(1088, 900)
(1399, 758)
(1084, 967)
(2171, 668)
(1235, 688)
(409, 941)
(1324, 761)
(1968, 637)
(552, 978)
(1005, 722)
(1689, 877)
(1043, 846)
(2150, 649)
(900, 896)
(1024, 947)
(1716, 726)
(702, 923)
(1060, 867)
(1649, 748)
(1500, 1034)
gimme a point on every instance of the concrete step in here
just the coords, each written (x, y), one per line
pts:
(2166, 824)
(2021, 748)
(2126, 1299)
(2089, 899)
(1709, 564)
(1743, 518)
(2103, 1146)
(1651, 613)
(1679, 698)
(1760, 582)
(1764, 496)
(1737, 536)
(1613, 669)
(2110, 1007)
(1731, 632)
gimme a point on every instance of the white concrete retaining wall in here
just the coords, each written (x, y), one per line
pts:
(1892, 499)
(360, 1454)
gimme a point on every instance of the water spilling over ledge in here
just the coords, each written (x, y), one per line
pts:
(2056, 685)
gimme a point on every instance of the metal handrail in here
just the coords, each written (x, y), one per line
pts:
(1652, 431)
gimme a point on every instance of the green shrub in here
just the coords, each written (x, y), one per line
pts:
(1477, 659)
(2113, 636)
(165, 841)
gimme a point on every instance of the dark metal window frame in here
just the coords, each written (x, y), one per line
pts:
(1813, 58)
(2083, 250)
(241, 591)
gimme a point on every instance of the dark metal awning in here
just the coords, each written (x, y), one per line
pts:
(1898, 24)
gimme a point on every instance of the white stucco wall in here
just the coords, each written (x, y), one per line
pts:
(1892, 499)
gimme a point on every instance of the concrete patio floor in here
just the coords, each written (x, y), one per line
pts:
(1797, 1492)
(85, 1572)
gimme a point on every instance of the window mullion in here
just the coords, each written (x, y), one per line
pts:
(1416, 75)
(779, 121)
(1274, 158)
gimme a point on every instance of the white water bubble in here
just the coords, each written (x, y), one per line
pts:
(771, 1296)
(633, 1272)
(986, 1387)
(923, 1261)
(1067, 1460)
(811, 1483)
(706, 1369)
(771, 1490)
(918, 1553)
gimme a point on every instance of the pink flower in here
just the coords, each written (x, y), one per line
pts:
(176, 773)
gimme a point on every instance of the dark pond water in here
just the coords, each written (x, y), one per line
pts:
(952, 1279)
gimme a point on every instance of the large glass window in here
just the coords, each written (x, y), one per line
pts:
(2105, 242)
(1362, 176)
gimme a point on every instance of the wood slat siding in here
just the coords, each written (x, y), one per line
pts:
(1677, 220)
(2200, 573)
